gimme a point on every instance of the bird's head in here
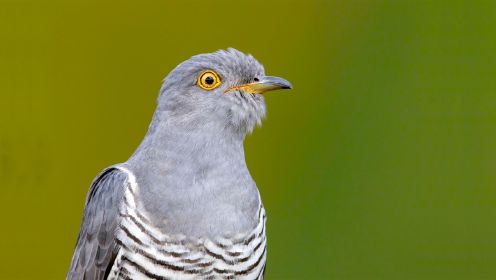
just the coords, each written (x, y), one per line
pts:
(222, 89)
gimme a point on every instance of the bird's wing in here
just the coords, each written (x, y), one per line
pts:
(96, 247)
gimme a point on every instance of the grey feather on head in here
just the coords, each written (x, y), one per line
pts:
(237, 110)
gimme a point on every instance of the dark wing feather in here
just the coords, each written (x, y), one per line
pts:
(96, 247)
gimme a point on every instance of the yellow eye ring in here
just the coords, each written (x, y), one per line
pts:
(208, 80)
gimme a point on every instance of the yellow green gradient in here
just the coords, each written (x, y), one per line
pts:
(379, 164)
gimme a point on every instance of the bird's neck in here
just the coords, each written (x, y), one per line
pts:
(172, 138)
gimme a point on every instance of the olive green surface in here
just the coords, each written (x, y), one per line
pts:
(379, 164)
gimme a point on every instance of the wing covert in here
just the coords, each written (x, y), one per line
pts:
(96, 248)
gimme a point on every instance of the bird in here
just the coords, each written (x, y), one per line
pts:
(184, 205)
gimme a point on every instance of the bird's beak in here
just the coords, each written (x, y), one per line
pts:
(264, 84)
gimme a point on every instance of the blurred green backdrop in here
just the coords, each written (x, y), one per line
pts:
(380, 164)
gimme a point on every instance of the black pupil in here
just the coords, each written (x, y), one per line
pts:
(209, 80)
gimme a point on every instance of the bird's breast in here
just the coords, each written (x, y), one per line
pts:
(221, 201)
(147, 252)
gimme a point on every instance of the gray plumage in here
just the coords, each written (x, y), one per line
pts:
(184, 205)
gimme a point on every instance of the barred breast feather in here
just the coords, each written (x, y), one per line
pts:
(146, 253)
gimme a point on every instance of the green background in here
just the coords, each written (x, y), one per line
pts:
(380, 164)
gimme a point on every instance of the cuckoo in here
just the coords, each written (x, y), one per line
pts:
(184, 205)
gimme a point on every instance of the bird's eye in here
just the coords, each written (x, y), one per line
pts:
(208, 80)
